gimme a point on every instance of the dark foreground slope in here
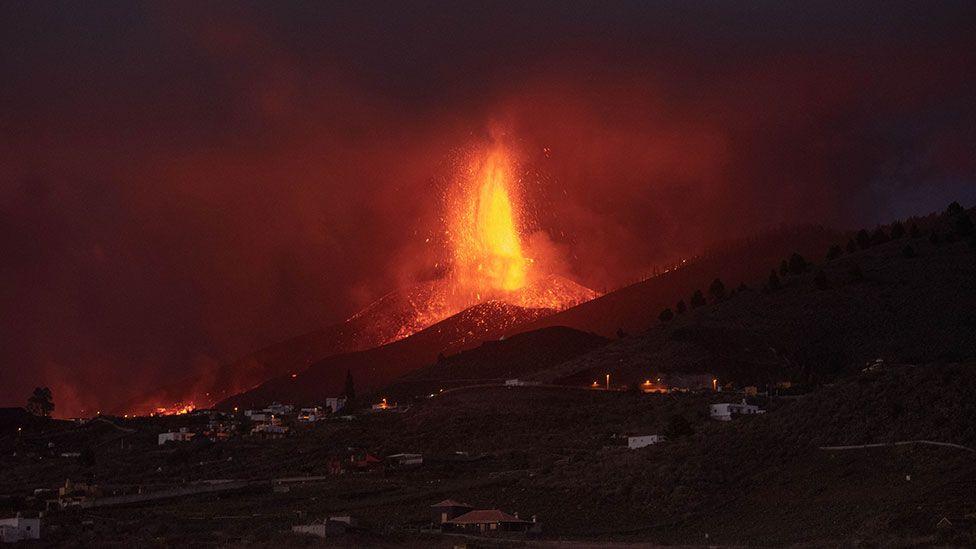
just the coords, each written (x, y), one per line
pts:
(882, 302)
(551, 453)
(374, 368)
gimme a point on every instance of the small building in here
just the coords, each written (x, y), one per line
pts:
(183, 435)
(727, 410)
(257, 415)
(334, 404)
(270, 430)
(643, 440)
(332, 526)
(447, 510)
(487, 521)
(19, 528)
(279, 409)
(311, 415)
(405, 460)
(521, 383)
(384, 406)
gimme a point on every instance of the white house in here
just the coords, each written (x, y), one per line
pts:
(280, 409)
(520, 383)
(176, 436)
(335, 403)
(19, 528)
(311, 415)
(727, 410)
(405, 460)
(257, 415)
(644, 440)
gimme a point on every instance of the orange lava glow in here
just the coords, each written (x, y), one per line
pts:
(486, 243)
(489, 261)
(178, 409)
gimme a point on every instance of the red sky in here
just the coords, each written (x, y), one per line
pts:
(180, 185)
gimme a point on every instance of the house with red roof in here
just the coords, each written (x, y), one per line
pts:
(489, 521)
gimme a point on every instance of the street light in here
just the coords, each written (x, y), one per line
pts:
(608, 382)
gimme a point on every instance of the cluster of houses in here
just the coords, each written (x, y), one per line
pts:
(726, 411)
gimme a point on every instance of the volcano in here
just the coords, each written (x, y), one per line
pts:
(493, 283)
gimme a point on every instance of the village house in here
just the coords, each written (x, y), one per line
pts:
(643, 440)
(405, 460)
(270, 430)
(19, 528)
(183, 435)
(257, 415)
(679, 382)
(447, 510)
(279, 409)
(727, 410)
(488, 522)
(334, 404)
(521, 383)
(311, 415)
(332, 526)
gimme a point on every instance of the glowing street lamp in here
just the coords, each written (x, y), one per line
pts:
(608, 382)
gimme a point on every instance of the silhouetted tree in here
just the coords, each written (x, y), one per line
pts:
(41, 402)
(851, 246)
(773, 283)
(784, 268)
(681, 306)
(935, 239)
(913, 232)
(908, 252)
(879, 237)
(821, 280)
(717, 290)
(666, 315)
(697, 299)
(855, 272)
(743, 287)
(797, 264)
(350, 390)
(897, 230)
(621, 333)
(834, 252)
(963, 225)
(863, 239)
(955, 209)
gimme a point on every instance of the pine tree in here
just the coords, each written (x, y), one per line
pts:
(851, 246)
(834, 252)
(913, 232)
(773, 283)
(681, 306)
(797, 264)
(350, 391)
(41, 402)
(717, 290)
(863, 239)
(897, 230)
(697, 299)
(666, 315)
(879, 237)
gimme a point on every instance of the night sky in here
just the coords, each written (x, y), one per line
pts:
(179, 185)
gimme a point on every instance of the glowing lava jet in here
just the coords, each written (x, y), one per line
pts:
(488, 256)
(489, 261)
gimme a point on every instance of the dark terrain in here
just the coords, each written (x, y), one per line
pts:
(557, 451)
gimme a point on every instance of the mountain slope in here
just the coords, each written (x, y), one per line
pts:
(873, 303)
(636, 307)
(376, 367)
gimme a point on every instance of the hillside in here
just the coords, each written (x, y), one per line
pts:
(635, 307)
(872, 303)
(374, 368)
(494, 361)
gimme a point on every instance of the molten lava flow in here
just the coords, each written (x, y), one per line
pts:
(487, 248)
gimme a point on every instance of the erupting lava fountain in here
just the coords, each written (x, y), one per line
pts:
(489, 260)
